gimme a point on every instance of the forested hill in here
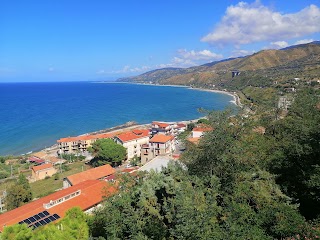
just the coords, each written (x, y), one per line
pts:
(300, 61)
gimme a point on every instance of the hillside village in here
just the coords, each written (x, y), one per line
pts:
(155, 146)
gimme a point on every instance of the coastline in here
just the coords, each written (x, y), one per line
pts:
(125, 127)
(236, 98)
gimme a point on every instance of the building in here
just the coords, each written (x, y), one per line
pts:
(80, 143)
(85, 195)
(162, 128)
(42, 171)
(235, 73)
(35, 160)
(198, 132)
(91, 174)
(159, 144)
(132, 141)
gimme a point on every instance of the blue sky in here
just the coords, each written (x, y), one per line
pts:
(57, 40)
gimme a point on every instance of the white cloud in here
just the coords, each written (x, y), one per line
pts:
(241, 53)
(51, 69)
(198, 55)
(186, 58)
(278, 44)
(303, 41)
(126, 69)
(247, 23)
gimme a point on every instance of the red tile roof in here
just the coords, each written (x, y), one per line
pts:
(92, 193)
(42, 167)
(181, 125)
(93, 173)
(87, 137)
(35, 159)
(133, 135)
(161, 124)
(202, 129)
(161, 138)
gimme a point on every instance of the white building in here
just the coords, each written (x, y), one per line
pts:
(162, 128)
(132, 141)
(199, 131)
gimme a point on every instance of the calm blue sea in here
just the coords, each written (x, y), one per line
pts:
(35, 115)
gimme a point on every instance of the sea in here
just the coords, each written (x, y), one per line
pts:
(35, 115)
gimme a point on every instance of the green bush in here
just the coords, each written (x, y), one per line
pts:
(4, 174)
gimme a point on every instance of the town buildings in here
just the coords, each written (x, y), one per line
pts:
(198, 131)
(162, 128)
(132, 141)
(80, 143)
(42, 171)
(91, 174)
(159, 144)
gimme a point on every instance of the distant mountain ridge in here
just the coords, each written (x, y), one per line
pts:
(301, 61)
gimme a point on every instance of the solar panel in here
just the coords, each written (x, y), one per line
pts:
(56, 216)
(37, 224)
(27, 221)
(32, 219)
(42, 222)
(36, 217)
(51, 218)
(47, 220)
(41, 215)
(21, 222)
(46, 213)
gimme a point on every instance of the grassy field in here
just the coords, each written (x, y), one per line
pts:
(45, 187)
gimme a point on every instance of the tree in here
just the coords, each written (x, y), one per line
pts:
(296, 152)
(19, 193)
(107, 151)
(16, 232)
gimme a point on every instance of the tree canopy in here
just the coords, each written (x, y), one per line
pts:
(107, 151)
(18, 193)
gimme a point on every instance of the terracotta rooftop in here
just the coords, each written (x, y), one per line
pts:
(181, 125)
(87, 137)
(161, 124)
(161, 138)
(92, 193)
(91, 174)
(133, 135)
(42, 167)
(202, 129)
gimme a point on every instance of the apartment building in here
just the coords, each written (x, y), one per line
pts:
(159, 144)
(162, 128)
(132, 141)
(80, 143)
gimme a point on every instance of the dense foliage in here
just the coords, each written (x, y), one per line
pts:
(227, 188)
(18, 193)
(107, 151)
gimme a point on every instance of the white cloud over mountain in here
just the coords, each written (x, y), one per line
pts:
(187, 58)
(303, 41)
(246, 23)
